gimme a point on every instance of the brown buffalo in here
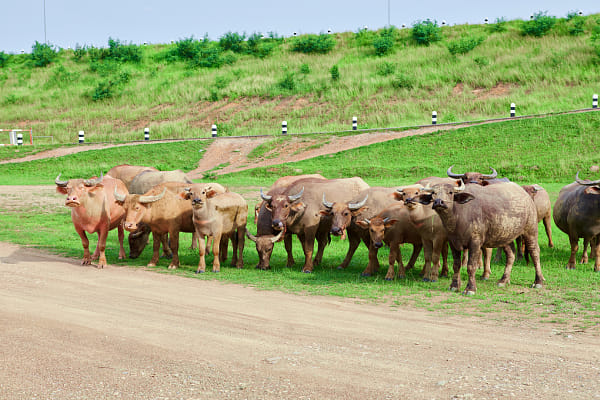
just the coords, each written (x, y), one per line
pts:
(126, 173)
(94, 210)
(577, 213)
(475, 177)
(392, 226)
(297, 210)
(485, 216)
(220, 216)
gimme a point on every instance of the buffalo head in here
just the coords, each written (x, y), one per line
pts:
(79, 191)
(473, 177)
(593, 187)
(444, 196)
(342, 213)
(282, 207)
(136, 206)
(264, 247)
(377, 227)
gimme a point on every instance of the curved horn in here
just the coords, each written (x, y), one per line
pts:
(296, 196)
(586, 182)
(453, 175)
(277, 237)
(60, 183)
(386, 219)
(492, 176)
(427, 189)
(367, 220)
(264, 196)
(356, 206)
(151, 199)
(119, 197)
(326, 203)
(461, 187)
(251, 236)
(93, 182)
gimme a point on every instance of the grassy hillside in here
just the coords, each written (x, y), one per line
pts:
(250, 90)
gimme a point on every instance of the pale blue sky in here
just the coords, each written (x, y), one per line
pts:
(71, 22)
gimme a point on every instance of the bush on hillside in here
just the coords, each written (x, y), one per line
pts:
(364, 37)
(385, 68)
(575, 25)
(233, 41)
(288, 81)
(42, 54)
(498, 26)
(539, 26)
(595, 38)
(335, 73)
(120, 52)
(3, 59)
(210, 55)
(426, 32)
(384, 42)
(260, 46)
(109, 88)
(311, 44)
(402, 81)
(464, 45)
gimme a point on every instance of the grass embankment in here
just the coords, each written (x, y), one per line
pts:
(252, 95)
(547, 151)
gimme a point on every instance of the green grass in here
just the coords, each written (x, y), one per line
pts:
(556, 72)
(556, 146)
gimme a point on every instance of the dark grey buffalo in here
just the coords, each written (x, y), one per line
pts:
(577, 213)
(477, 217)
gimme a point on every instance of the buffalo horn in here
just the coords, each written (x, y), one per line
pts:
(264, 196)
(326, 203)
(492, 176)
(461, 187)
(277, 237)
(427, 189)
(453, 175)
(367, 220)
(385, 220)
(356, 206)
(586, 182)
(60, 183)
(251, 237)
(93, 182)
(296, 196)
(151, 199)
(119, 197)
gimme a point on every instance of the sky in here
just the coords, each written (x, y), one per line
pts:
(79, 22)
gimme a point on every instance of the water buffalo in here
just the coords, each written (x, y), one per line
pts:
(221, 216)
(297, 210)
(94, 210)
(345, 214)
(485, 216)
(146, 180)
(577, 213)
(266, 235)
(392, 226)
(126, 173)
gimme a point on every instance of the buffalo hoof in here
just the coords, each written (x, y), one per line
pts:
(365, 274)
(389, 279)
(307, 271)
(340, 267)
(216, 272)
(426, 280)
(199, 272)
(401, 277)
(469, 293)
(453, 289)
(501, 284)
(537, 286)
(433, 280)
(485, 278)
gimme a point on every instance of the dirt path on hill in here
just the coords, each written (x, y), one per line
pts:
(73, 332)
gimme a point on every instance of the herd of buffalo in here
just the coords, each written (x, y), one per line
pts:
(473, 213)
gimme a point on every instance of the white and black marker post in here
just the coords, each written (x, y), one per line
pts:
(595, 101)
(81, 137)
(284, 127)
(146, 133)
(512, 110)
(19, 139)
(214, 130)
(434, 118)
(354, 123)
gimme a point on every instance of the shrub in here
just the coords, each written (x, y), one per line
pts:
(61, 77)
(233, 41)
(335, 73)
(42, 54)
(464, 45)
(385, 68)
(210, 55)
(3, 59)
(310, 44)
(121, 52)
(481, 61)
(288, 82)
(402, 81)
(110, 88)
(539, 26)
(384, 42)
(575, 27)
(79, 52)
(499, 25)
(426, 32)
(185, 49)
(364, 37)
(595, 38)
(305, 69)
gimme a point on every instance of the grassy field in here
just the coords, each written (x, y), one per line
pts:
(115, 101)
(547, 151)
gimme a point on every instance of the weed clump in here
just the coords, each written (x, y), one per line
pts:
(426, 32)
(539, 25)
(314, 44)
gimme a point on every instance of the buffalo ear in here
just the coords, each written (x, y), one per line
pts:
(398, 196)
(185, 195)
(61, 190)
(390, 223)
(462, 198)
(211, 193)
(425, 198)
(592, 190)
(362, 223)
(325, 212)
(298, 206)
(359, 211)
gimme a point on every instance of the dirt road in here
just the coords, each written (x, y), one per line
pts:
(73, 332)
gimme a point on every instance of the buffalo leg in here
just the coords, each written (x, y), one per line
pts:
(472, 266)
(353, 242)
(487, 261)
(86, 246)
(395, 255)
(101, 247)
(164, 240)
(533, 247)
(498, 256)
(584, 256)
(415, 254)
(241, 238)
(444, 252)
(175, 249)
(287, 242)
(322, 237)
(216, 252)
(121, 235)
(156, 239)
(548, 226)
(373, 264)
(202, 254)
(595, 243)
(308, 245)
(574, 241)
(428, 254)
(457, 261)
(510, 260)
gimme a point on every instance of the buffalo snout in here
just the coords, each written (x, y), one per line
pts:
(439, 203)
(130, 226)
(336, 231)
(277, 224)
(378, 245)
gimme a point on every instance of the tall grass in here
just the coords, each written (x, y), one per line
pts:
(540, 74)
